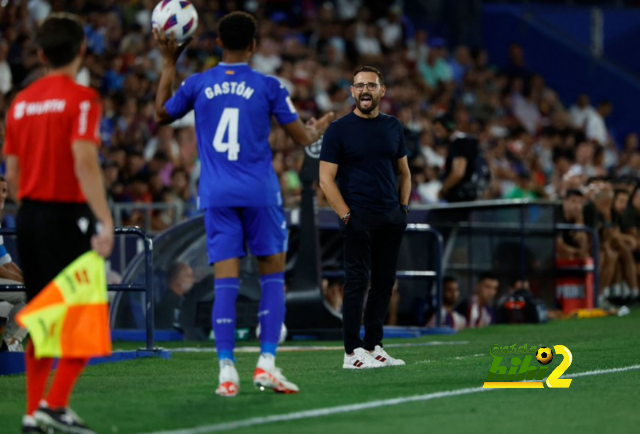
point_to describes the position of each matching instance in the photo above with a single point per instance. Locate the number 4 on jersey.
(228, 125)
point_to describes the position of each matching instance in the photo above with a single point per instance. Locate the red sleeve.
(86, 119)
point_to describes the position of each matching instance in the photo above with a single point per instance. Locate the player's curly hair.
(60, 38)
(237, 30)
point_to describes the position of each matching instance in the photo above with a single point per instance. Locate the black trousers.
(50, 236)
(371, 246)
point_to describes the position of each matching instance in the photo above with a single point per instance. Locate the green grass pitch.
(147, 396)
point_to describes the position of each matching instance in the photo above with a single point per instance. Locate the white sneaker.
(381, 355)
(14, 345)
(267, 376)
(228, 379)
(361, 360)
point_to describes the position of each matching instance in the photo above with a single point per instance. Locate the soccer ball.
(544, 355)
(175, 16)
(283, 333)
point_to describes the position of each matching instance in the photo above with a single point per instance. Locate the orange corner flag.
(70, 316)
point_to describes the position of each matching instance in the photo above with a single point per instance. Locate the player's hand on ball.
(169, 47)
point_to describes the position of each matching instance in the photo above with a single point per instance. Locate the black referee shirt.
(367, 153)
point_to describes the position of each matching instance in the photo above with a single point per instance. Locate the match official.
(51, 143)
(365, 152)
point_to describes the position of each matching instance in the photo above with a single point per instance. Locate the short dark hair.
(487, 275)
(60, 38)
(370, 69)
(2, 179)
(237, 30)
(175, 270)
(448, 279)
(446, 121)
(619, 191)
(573, 192)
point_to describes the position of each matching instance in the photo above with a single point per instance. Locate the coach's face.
(367, 91)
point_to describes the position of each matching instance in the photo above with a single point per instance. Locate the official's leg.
(50, 237)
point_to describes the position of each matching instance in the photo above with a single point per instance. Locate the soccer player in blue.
(238, 188)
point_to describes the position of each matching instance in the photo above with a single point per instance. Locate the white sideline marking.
(602, 371)
(256, 349)
(421, 362)
(468, 357)
(358, 407)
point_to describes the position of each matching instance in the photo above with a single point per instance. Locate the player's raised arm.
(171, 51)
(306, 135)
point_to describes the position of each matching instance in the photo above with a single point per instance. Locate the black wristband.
(405, 208)
(345, 218)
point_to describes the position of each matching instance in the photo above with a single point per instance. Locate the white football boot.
(268, 376)
(228, 379)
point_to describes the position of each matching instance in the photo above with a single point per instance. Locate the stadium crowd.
(531, 143)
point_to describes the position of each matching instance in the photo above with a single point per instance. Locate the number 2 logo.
(554, 380)
(228, 125)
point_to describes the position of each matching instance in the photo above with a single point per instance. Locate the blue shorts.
(230, 230)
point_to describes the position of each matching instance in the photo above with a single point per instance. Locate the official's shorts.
(50, 236)
(231, 230)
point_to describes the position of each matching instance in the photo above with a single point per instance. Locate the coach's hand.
(169, 47)
(102, 242)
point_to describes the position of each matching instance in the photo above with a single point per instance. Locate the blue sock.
(223, 317)
(271, 313)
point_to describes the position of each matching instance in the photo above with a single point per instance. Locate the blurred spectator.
(458, 183)
(449, 317)
(630, 224)
(520, 306)
(435, 70)
(581, 112)
(179, 282)
(572, 244)
(478, 310)
(391, 28)
(6, 79)
(596, 129)
(519, 122)
(523, 188)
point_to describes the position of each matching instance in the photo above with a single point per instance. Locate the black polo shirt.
(367, 153)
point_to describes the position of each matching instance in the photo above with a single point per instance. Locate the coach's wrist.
(344, 218)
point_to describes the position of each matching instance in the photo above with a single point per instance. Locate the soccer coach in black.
(365, 153)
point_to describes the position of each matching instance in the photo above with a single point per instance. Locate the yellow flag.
(70, 316)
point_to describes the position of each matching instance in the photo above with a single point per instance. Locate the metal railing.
(146, 286)
(119, 210)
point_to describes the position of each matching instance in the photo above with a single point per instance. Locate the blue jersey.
(233, 107)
